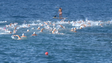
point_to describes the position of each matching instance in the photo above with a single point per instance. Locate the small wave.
(3, 21)
(19, 16)
(7, 32)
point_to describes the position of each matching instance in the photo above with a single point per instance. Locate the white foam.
(48, 27)
(3, 21)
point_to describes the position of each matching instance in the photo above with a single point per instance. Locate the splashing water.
(51, 27)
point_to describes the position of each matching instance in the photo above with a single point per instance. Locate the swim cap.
(33, 28)
(27, 29)
(23, 34)
(33, 32)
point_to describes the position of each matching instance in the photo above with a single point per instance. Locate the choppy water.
(91, 42)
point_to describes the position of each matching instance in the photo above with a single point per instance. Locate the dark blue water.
(91, 44)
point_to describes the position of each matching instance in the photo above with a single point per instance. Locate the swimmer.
(61, 26)
(80, 27)
(42, 25)
(7, 26)
(14, 31)
(42, 29)
(50, 23)
(28, 25)
(15, 27)
(33, 28)
(46, 23)
(38, 28)
(48, 27)
(28, 30)
(79, 22)
(20, 37)
(10, 24)
(101, 25)
(53, 24)
(10, 32)
(7, 30)
(84, 25)
(73, 30)
(34, 34)
(89, 24)
(53, 30)
(60, 13)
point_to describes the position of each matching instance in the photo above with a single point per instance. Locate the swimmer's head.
(10, 32)
(27, 29)
(22, 34)
(33, 28)
(33, 32)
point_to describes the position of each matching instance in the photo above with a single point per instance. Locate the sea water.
(90, 44)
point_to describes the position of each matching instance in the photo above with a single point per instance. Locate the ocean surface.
(83, 36)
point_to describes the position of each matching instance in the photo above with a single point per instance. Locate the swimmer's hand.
(15, 35)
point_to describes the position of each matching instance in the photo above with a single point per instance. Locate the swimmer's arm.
(17, 36)
(14, 35)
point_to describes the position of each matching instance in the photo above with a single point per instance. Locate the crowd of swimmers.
(52, 27)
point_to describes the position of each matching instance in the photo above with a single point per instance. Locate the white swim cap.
(33, 32)
(27, 29)
(23, 34)
(33, 28)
